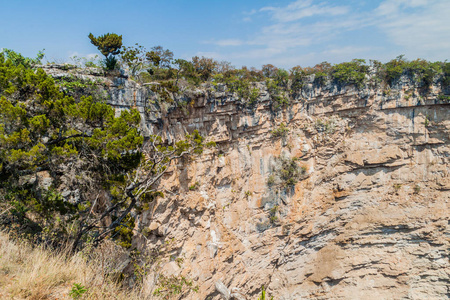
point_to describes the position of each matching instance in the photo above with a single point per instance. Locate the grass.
(28, 272)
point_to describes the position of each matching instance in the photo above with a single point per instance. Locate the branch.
(66, 138)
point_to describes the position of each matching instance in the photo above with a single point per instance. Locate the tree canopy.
(93, 161)
(107, 44)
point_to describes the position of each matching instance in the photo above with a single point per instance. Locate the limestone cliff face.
(367, 219)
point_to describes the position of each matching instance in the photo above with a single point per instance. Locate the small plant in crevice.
(170, 286)
(194, 186)
(281, 131)
(325, 126)
(397, 187)
(416, 189)
(444, 98)
(286, 173)
(273, 215)
(290, 171)
(248, 194)
(426, 122)
(263, 295)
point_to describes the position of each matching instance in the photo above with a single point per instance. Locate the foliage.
(204, 67)
(195, 186)
(290, 171)
(169, 286)
(280, 131)
(79, 141)
(17, 58)
(30, 272)
(353, 72)
(88, 62)
(263, 295)
(325, 126)
(397, 187)
(446, 71)
(157, 62)
(109, 45)
(277, 92)
(444, 98)
(287, 172)
(134, 57)
(423, 71)
(240, 82)
(75, 86)
(77, 291)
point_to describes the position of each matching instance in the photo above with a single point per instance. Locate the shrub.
(195, 186)
(280, 131)
(287, 172)
(263, 295)
(353, 72)
(397, 187)
(77, 291)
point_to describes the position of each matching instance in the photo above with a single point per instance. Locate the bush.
(281, 131)
(353, 72)
(287, 172)
(77, 291)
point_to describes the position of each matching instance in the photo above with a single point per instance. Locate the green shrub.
(280, 131)
(77, 291)
(420, 70)
(263, 295)
(353, 72)
(170, 286)
(195, 186)
(397, 187)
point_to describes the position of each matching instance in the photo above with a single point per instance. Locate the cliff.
(365, 217)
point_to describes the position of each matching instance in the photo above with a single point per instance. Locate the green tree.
(109, 45)
(135, 58)
(82, 147)
(18, 59)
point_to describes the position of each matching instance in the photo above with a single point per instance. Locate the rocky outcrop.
(368, 219)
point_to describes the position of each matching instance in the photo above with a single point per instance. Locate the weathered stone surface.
(370, 221)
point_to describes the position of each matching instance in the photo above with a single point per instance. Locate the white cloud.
(421, 27)
(302, 9)
(417, 28)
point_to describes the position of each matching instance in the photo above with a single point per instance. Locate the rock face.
(367, 219)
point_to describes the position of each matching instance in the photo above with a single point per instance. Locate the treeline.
(159, 65)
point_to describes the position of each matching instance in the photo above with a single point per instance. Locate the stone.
(353, 229)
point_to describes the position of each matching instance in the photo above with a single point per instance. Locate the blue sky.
(253, 32)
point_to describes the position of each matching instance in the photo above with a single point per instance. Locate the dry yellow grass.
(37, 273)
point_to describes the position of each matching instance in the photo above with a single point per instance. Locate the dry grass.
(37, 273)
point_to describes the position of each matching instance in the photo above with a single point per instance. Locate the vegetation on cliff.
(283, 86)
(74, 161)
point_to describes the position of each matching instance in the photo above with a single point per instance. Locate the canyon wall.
(367, 218)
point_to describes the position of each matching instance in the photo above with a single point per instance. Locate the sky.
(246, 32)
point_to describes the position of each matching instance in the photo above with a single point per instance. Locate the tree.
(160, 57)
(18, 59)
(101, 174)
(109, 45)
(135, 58)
